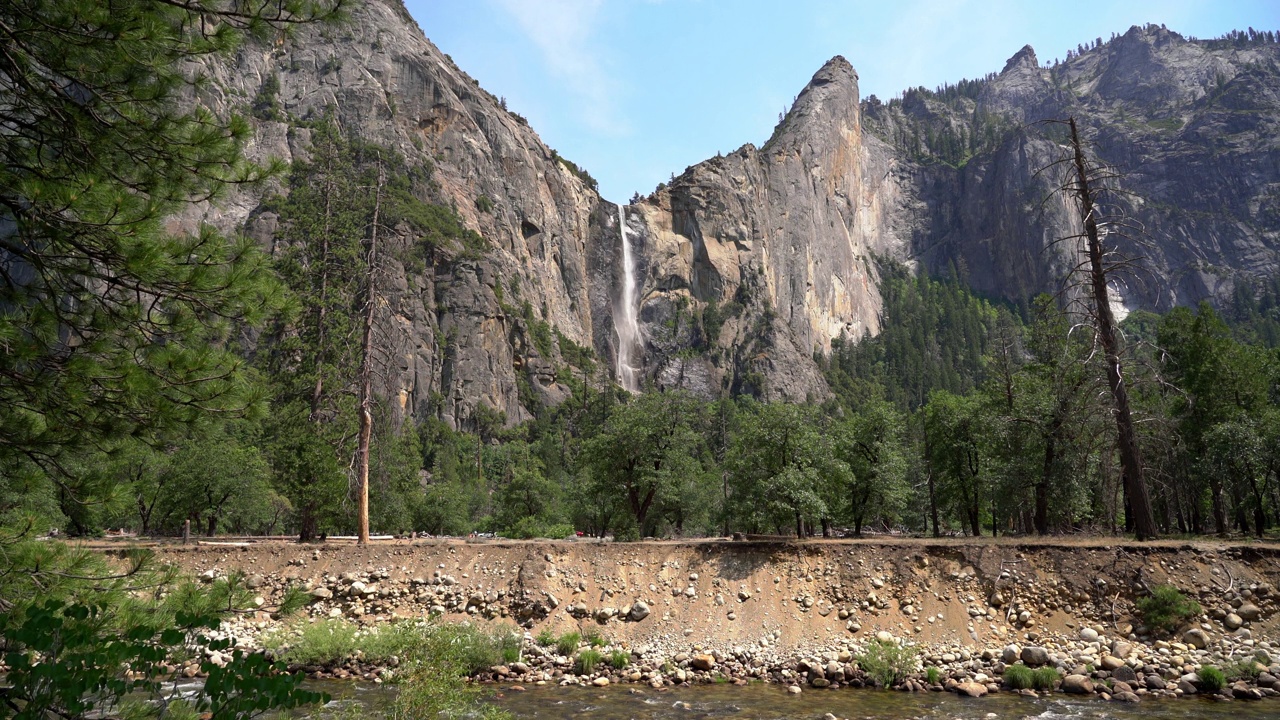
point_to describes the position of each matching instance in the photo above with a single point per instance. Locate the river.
(772, 702)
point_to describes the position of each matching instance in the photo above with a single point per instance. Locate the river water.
(772, 702)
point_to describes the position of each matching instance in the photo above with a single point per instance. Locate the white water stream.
(625, 323)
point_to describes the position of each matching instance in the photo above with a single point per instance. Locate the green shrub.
(1242, 670)
(933, 675)
(484, 204)
(587, 661)
(1211, 679)
(545, 639)
(1018, 677)
(1166, 608)
(594, 639)
(619, 659)
(568, 643)
(887, 662)
(1044, 678)
(466, 648)
(528, 528)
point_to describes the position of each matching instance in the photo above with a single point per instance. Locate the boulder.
(1196, 638)
(1110, 663)
(1241, 691)
(702, 662)
(1010, 654)
(1125, 674)
(1249, 612)
(321, 593)
(1125, 697)
(639, 610)
(1077, 685)
(1088, 634)
(1232, 621)
(1035, 656)
(972, 689)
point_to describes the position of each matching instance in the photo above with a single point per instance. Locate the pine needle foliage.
(115, 321)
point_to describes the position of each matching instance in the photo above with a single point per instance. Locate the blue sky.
(636, 90)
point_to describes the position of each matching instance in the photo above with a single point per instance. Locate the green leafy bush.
(1243, 670)
(1044, 678)
(546, 638)
(528, 528)
(73, 625)
(887, 662)
(329, 642)
(594, 639)
(587, 661)
(1018, 677)
(933, 675)
(619, 659)
(1211, 679)
(568, 643)
(1166, 608)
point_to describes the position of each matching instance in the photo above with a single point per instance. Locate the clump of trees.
(1019, 438)
(149, 380)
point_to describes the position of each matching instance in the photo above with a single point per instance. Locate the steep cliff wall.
(457, 336)
(750, 264)
(779, 240)
(1189, 126)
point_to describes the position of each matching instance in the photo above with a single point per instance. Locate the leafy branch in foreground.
(81, 638)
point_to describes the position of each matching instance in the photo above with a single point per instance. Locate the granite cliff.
(750, 264)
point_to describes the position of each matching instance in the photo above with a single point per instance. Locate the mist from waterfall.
(625, 323)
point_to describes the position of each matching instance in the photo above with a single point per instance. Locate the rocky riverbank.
(801, 614)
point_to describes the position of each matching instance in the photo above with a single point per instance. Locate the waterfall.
(625, 322)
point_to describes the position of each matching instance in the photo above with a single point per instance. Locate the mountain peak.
(1024, 57)
(837, 69)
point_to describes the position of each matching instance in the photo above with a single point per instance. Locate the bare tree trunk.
(366, 377)
(1144, 524)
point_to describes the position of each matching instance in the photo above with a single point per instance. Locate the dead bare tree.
(1144, 525)
(366, 374)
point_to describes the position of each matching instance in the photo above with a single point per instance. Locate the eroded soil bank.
(798, 613)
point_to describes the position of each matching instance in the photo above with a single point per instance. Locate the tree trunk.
(1042, 487)
(1144, 525)
(366, 376)
(1219, 510)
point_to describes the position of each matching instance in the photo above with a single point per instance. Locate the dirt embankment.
(780, 594)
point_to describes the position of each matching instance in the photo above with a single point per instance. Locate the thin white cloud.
(563, 31)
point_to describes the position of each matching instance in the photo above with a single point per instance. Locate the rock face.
(764, 257)
(458, 333)
(1190, 125)
(749, 264)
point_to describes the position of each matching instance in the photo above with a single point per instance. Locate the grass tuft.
(1044, 678)
(1211, 679)
(587, 661)
(568, 643)
(1018, 677)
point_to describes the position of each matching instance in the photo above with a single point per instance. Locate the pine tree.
(110, 324)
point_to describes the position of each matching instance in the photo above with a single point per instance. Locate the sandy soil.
(786, 594)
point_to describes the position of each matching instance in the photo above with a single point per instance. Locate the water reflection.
(772, 702)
